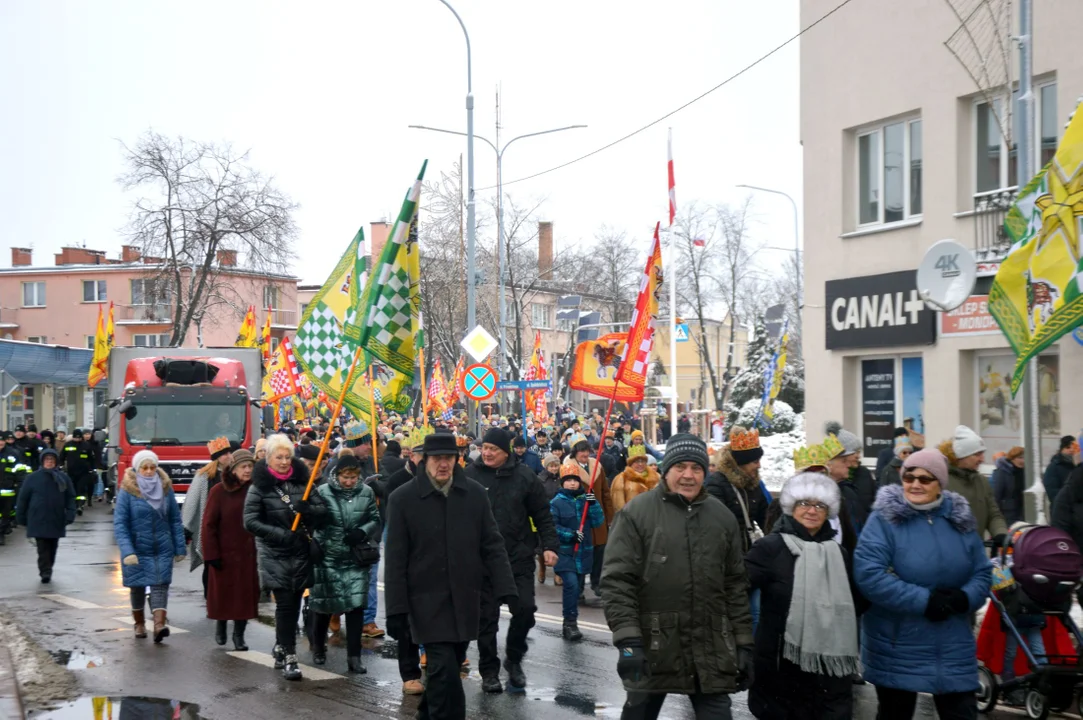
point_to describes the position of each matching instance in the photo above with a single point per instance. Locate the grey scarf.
(821, 627)
(151, 490)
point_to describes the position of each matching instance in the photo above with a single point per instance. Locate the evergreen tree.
(748, 384)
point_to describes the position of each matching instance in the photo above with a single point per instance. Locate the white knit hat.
(966, 442)
(144, 456)
(810, 486)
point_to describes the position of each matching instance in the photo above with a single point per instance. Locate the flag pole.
(424, 388)
(372, 417)
(327, 436)
(598, 458)
(672, 288)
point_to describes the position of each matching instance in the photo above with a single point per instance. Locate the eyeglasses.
(812, 504)
(923, 479)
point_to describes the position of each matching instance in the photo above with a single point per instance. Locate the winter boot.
(571, 631)
(238, 635)
(220, 632)
(291, 669)
(140, 624)
(353, 663)
(516, 677)
(319, 651)
(279, 654)
(491, 684)
(161, 630)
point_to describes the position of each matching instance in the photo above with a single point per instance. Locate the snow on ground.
(777, 463)
(41, 679)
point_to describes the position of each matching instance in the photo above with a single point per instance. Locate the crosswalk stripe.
(266, 660)
(128, 622)
(71, 602)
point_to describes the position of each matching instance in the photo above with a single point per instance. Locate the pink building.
(58, 305)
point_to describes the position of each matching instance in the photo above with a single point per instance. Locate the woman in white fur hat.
(806, 643)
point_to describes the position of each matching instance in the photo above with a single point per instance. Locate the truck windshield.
(180, 422)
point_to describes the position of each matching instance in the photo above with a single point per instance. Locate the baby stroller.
(1042, 580)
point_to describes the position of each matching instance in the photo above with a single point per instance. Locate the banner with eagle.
(596, 365)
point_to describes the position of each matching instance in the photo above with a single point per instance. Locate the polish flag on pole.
(672, 184)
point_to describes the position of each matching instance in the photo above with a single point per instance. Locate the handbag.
(366, 554)
(315, 551)
(751, 526)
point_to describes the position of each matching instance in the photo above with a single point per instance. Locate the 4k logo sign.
(948, 265)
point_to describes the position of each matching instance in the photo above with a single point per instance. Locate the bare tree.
(615, 265)
(197, 202)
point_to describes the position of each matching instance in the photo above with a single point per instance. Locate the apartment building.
(58, 305)
(902, 149)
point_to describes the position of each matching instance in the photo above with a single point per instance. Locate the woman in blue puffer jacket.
(922, 566)
(150, 536)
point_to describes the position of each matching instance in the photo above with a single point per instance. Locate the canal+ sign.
(877, 311)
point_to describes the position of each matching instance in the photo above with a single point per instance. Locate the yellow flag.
(99, 362)
(246, 336)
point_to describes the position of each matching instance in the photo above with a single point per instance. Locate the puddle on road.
(76, 659)
(108, 708)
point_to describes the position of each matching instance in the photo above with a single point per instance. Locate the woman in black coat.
(1068, 507)
(285, 561)
(806, 640)
(45, 507)
(1009, 481)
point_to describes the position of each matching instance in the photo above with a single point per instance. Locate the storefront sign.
(877, 404)
(970, 318)
(877, 311)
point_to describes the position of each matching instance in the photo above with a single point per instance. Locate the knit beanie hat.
(144, 456)
(549, 459)
(497, 437)
(965, 442)
(933, 461)
(902, 443)
(685, 447)
(810, 486)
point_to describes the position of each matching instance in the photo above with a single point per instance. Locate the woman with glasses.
(806, 642)
(922, 566)
(892, 472)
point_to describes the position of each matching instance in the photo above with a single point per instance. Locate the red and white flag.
(637, 353)
(672, 184)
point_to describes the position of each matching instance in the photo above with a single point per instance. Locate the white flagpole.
(671, 273)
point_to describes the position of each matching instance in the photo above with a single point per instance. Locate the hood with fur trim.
(892, 506)
(131, 486)
(727, 465)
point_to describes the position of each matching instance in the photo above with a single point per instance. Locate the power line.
(694, 100)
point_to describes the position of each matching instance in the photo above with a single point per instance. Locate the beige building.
(901, 149)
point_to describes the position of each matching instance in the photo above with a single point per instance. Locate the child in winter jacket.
(576, 553)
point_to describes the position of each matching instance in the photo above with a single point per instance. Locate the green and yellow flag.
(1036, 296)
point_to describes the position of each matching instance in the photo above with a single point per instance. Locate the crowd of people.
(847, 576)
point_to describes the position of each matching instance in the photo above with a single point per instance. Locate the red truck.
(175, 400)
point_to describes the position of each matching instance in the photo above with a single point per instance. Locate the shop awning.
(36, 364)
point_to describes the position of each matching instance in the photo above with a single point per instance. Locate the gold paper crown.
(218, 444)
(637, 451)
(461, 441)
(832, 447)
(741, 439)
(817, 455)
(417, 437)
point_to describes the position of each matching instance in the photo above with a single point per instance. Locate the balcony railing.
(990, 209)
(284, 318)
(150, 314)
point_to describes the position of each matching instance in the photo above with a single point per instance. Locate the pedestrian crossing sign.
(682, 332)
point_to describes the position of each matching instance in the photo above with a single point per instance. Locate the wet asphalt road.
(565, 680)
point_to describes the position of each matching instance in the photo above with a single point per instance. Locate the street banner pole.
(424, 388)
(372, 427)
(327, 436)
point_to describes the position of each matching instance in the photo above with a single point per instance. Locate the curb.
(11, 702)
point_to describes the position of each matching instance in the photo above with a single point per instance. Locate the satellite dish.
(946, 275)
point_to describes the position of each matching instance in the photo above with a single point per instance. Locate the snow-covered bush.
(777, 464)
(784, 421)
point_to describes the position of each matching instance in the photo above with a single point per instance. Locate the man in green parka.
(676, 592)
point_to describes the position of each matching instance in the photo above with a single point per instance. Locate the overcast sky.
(322, 94)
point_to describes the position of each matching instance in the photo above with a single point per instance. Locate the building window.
(90, 342)
(541, 316)
(158, 340)
(145, 291)
(37, 339)
(270, 296)
(1001, 416)
(889, 173)
(995, 167)
(304, 306)
(93, 291)
(33, 294)
(892, 395)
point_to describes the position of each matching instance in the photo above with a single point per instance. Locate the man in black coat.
(392, 461)
(28, 445)
(443, 543)
(77, 459)
(46, 506)
(517, 498)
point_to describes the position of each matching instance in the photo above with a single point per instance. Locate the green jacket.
(341, 585)
(972, 485)
(674, 577)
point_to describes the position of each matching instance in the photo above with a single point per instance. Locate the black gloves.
(302, 507)
(939, 609)
(512, 601)
(187, 537)
(357, 536)
(589, 497)
(958, 601)
(299, 541)
(998, 542)
(216, 564)
(398, 626)
(632, 665)
(746, 672)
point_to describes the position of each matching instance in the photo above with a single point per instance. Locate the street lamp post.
(796, 238)
(471, 224)
(501, 254)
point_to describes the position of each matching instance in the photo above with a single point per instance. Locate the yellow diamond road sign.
(478, 344)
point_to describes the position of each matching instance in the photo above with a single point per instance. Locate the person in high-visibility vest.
(77, 458)
(12, 472)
